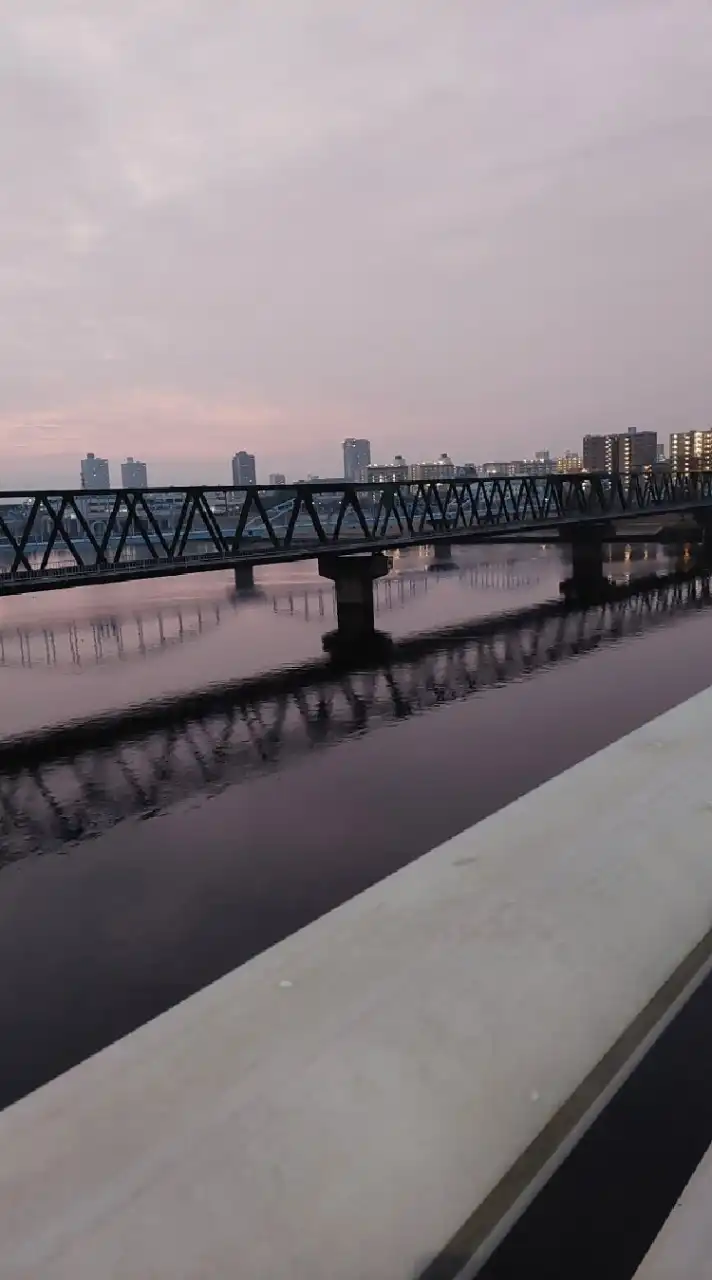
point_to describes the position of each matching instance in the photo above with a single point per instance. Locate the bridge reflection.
(155, 630)
(70, 784)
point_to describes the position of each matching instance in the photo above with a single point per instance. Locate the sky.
(480, 226)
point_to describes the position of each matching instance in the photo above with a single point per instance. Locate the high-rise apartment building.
(357, 458)
(277, 477)
(569, 463)
(633, 451)
(134, 474)
(244, 469)
(690, 451)
(94, 472)
(442, 469)
(620, 451)
(392, 472)
(594, 453)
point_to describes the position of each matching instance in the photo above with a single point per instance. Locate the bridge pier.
(442, 551)
(587, 581)
(353, 578)
(244, 577)
(442, 557)
(704, 524)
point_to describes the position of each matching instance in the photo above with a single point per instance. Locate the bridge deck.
(340, 1106)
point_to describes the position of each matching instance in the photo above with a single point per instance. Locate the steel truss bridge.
(71, 784)
(62, 539)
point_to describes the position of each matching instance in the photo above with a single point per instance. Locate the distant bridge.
(63, 539)
(72, 783)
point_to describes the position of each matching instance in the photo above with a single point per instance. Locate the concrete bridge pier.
(587, 581)
(442, 551)
(244, 577)
(442, 557)
(353, 578)
(704, 524)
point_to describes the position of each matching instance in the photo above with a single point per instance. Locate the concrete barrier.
(418, 1059)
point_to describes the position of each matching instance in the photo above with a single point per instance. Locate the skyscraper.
(244, 469)
(134, 475)
(277, 477)
(357, 457)
(94, 472)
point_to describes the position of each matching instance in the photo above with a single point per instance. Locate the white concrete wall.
(335, 1109)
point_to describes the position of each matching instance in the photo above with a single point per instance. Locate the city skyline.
(616, 452)
(624, 451)
(473, 227)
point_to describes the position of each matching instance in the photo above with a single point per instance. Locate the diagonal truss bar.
(146, 507)
(20, 557)
(204, 510)
(74, 508)
(59, 530)
(350, 499)
(192, 506)
(183, 516)
(29, 526)
(133, 521)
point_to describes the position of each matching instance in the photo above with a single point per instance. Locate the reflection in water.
(69, 784)
(157, 628)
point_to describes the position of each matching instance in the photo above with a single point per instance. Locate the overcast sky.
(476, 225)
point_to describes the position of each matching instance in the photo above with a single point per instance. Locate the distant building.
(516, 468)
(442, 469)
(394, 472)
(661, 453)
(95, 472)
(621, 452)
(134, 475)
(568, 463)
(594, 453)
(467, 469)
(276, 478)
(637, 451)
(536, 466)
(244, 469)
(690, 451)
(357, 458)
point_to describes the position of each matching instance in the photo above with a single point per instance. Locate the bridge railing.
(100, 530)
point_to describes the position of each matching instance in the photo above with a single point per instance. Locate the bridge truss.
(124, 533)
